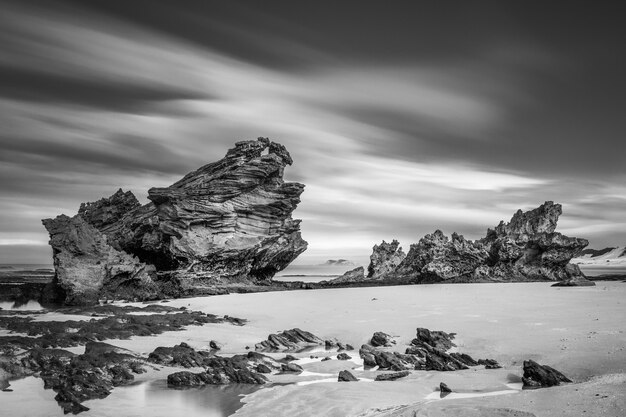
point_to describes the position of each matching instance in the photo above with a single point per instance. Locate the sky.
(402, 117)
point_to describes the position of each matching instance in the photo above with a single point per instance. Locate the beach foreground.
(578, 331)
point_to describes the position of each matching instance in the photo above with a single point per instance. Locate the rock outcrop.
(525, 249)
(540, 376)
(427, 352)
(226, 223)
(384, 259)
(294, 339)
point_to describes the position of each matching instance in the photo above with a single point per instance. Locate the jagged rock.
(179, 355)
(187, 379)
(355, 275)
(346, 376)
(382, 339)
(88, 268)
(384, 259)
(227, 222)
(107, 211)
(525, 249)
(391, 376)
(77, 378)
(293, 339)
(433, 338)
(263, 369)
(540, 376)
(387, 360)
(344, 357)
(240, 369)
(334, 343)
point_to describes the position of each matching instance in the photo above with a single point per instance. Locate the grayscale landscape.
(312, 209)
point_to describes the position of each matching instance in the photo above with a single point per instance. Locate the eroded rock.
(293, 339)
(527, 248)
(540, 376)
(227, 223)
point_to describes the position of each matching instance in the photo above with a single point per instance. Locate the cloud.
(93, 99)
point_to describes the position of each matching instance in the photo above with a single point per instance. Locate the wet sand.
(578, 331)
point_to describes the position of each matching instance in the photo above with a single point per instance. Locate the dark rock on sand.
(240, 369)
(77, 378)
(263, 369)
(392, 376)
(187, 379)
(444, 390)
(293, 339)
(227, 223)
(420, 356)
(433, 338)
(540, 376)
(344, 357)
(346, 376)
(382, 339)
(387, 360)
(179, 355)
(291, 368)
(215, 345)
(489, 363)
(525, 249)
(118, 325)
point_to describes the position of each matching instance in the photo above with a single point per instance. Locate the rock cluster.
(427, 352)
(527, 248)
(227, 222)
(77, 378)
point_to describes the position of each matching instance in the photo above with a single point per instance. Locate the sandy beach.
(578, 331)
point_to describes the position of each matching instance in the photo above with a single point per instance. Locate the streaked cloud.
(390, 145)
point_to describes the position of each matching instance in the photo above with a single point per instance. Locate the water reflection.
(152, 398)
(20, 305)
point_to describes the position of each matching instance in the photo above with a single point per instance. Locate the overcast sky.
(401, 117)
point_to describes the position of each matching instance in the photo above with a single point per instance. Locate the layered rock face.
(525, 249)
(228, 222)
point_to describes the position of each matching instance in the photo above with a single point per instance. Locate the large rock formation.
(228, 222)
(525, 249)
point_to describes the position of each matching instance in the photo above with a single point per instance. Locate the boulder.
(227, 222)
(346, 376)
(179, 355)
(344, 357)
(540, 376)
(382, 339)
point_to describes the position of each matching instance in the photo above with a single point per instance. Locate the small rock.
(291, 368)
(392, 376)
(263, 369)
(327, 358)
(489, 363)
(344, 357)
(346, 376)
(444, 390)
(382, 339)
(215, 345)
